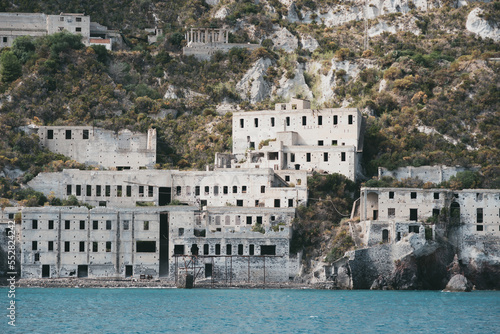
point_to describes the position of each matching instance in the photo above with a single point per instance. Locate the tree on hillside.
(10, 67)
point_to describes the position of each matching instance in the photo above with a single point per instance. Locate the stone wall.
(434, 174)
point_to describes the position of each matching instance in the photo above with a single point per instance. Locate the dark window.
(50, 134)
(413, 195)
(325, 156)
(251, 250)
(78, 29)
(217, 249)
(479, 215)
(308, 157)
(78, 19)
(95, 247)
(249, 220)
(391, 212)
(413, 214)
(225, 190)
(68, 189)
(320, 120)
(95, 224)
(85, 134)
(51, 245)
(108, 191)
(290, 202)
(89, 190)
(37, 257)
(146, 225)
(435, 212)
(216, 190)
(129, 191)
(78, 190)
(268, 250)
(181, 231)
(436, 195)
(82, 224)
(82, 246)
(244, 189)
(66, 246)
(292, 157)
(240, 249)
(259, 219)
(391, 194)
(126, 224)
(108, 224)
(304, 120)
(51, 224)
(108, 246)
(414, 229)
(342, 156)
(256, 122)
(34, 224)
(479, 227)
(242, 123)
(262, 189)
(98, 190)
(256, 203)
(277, 203)
(150, 247)
(34, 245)
(350, 119)
(118, 191)
(229, 249)
(252, 144)
(334, 143)
(67, 224)
(239, 202)
(68, 134)
(207, 190)
(206, 249)
(235, 189)
(197, 191)
(141, 191)
(150, 191)
(320, 143)
(287, 178)
(272, 121)
(335, 119)
(178, 190)
(288, 121)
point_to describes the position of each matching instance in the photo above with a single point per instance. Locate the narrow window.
(34, 245)
(334, 143)
(292, 157)
(50, 134)
(251, 250)
(256, 122)
(235, 189)
(181, 231)
(51, 224)
(325, 156)
(244, 189)
(108, 224)
(335, 120)
(308, 157)
(229, 249)
(98, 190)
(320, 143)
(89, 190)
(108, 246)
(85, 134)
(272, 121)
(217, 249)
(290, 202)
(178, 190)
(413, 195)
(391, 194)
(197, 191)
(67, 224)
(216, 190)
(207, 190)
(342, 156)
(350, 119)
(277, 203)
(95, 224)
(240, 249)
(78, 190)
(304, 120)
(320, 120)
(146, 225)
(34, 224)
(413, 214)
(51, 245)
(68, 189)
(108, 191)
(129, 191)
(256, 203)
(206, 249)
(249, 220)
(82, 224)
(141, 191)
(391, 212)
(287, 178)
(242, 123)
(288, 121)
(262, 189)
(66, 246)
(150, 191)
(82, 246)
(94, 247)
(479, 215)
(436, 195)
(118, 191)
(126, 224)
(68, 134)
(259, 219)
(225, 190)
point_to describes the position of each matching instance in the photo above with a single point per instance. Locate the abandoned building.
(296, 137)
(434, 174)
(388, 214)
(105, 242)
(101, 148)
(205, 42)
(13, 25)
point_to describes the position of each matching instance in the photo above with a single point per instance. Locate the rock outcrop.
(253, 86)
(479, 26)
(296, 86)
(458, 283)
(284, 39)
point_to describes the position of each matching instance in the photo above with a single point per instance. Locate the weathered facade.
(205, 42)
(296, 137)
(105, 242)
(434, 174)
(102, 148)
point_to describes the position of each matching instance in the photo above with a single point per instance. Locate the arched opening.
(455, 213)
(372, 206)
(385, 236)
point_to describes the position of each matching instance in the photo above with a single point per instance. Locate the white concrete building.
(296, 137)
(102, 148)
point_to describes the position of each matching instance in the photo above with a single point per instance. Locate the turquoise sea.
(60, 310)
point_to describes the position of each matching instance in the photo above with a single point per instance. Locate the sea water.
(108, 310)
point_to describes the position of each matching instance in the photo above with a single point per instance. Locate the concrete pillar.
(364, 206)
